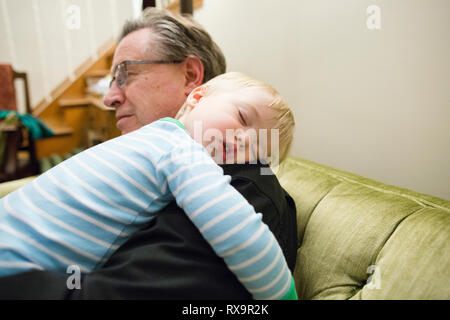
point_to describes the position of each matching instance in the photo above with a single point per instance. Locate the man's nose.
(114, 97)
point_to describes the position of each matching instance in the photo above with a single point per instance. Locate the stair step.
(98, 73)
(62, 131)
(98, 102)
(58, 127)
(85, 101)
(74, 102)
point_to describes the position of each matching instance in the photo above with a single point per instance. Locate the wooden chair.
(19, 152)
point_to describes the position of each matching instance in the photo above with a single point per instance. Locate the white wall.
(44, 38)
(372, 102)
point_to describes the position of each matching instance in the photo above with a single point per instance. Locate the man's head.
(238, 116)
(176, 54)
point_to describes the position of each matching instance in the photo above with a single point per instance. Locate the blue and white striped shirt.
(82, 210)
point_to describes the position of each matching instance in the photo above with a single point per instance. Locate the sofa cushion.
(361, 239)
(10, 186)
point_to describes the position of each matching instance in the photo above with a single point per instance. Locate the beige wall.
(373, 102)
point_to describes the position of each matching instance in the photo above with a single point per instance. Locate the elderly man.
(159, 60)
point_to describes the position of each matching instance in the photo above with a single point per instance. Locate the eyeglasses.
(120, 73)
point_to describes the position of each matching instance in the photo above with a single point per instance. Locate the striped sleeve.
(227, 221)
(81, 211)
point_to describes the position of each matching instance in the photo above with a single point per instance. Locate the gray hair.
(178, 37)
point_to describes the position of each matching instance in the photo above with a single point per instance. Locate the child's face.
(229, 123)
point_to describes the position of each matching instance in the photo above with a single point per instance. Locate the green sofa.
(361, 239)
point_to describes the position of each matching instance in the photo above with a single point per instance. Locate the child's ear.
(195, 96)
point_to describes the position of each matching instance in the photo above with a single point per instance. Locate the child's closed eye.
(242, 118)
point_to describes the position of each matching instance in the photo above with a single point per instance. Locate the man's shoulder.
(168, 127)
(268, 197)
(266, 185)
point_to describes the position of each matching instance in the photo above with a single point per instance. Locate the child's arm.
(227, 221)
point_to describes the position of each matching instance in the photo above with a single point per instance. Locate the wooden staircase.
(78, 118)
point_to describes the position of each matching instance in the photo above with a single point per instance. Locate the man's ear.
(195, 96)
(193, 72)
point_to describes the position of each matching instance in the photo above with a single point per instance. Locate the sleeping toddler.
(80, 211)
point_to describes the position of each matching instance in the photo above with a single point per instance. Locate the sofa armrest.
(10, 186)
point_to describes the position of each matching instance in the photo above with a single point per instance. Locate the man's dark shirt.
(169, 259)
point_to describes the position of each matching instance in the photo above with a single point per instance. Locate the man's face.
(152, 91)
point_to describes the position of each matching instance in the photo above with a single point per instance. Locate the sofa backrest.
(361, 239)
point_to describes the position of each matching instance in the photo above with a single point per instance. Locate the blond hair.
(283, 117)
